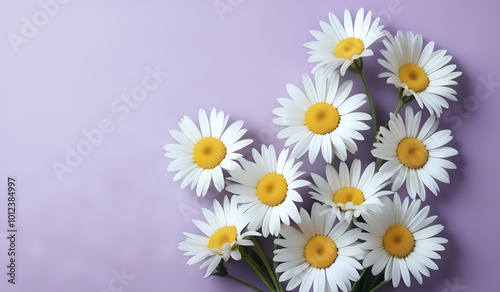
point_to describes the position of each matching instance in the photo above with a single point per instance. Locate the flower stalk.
(258, 266)
(357, 68)
(272, 274)
(222, 272)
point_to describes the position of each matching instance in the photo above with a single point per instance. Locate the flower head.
(320, 253)
(223, 233)
(201, 156)
(266, 189)
(339, 46)
(323, 118)
(415, 154)
(349, 193)
(400, 241)
(422, 73)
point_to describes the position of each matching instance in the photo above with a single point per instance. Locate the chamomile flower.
(423, 73)
(223, 233)
(266, 189)
(201, 156)
(339, 46)
(347, 193)
(323, 118)
(321, 254)
(415, 155)
(400, 241)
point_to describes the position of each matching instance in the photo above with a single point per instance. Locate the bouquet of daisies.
(359, 233)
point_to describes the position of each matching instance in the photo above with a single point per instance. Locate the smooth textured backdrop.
(113, 217)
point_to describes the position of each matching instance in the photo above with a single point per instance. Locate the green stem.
(379, 164)
(400, 105)
(402, 101)
(377, 278)
(266, 263)
(364, 281)
(259, 272)
(280, 288)
(371, 103)
(222, 272)
(256, 268)
(378, 286)
(356, 284)
(243, 283)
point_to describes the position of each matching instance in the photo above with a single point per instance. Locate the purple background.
(119, 209)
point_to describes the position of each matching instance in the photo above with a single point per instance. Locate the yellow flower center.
(209, 152)
(348, 48)
(414, 76)
(412, 153)
(349, 194)
(398, 241)
(271, 189)
(321, 252)
(223, 235)
(322, 118)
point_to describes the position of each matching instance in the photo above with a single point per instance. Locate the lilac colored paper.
(113, 216)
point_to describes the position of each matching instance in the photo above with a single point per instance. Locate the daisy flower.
(321, 254)
(201, 156)
(415, 154)
(339, 46)
(348, 193)
(421, 73)
(266, 189)
(223, 234)
(400, 240)
(323, 118)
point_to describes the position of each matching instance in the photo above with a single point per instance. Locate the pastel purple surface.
(113, 217)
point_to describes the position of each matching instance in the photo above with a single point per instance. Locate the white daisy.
(400, 240)
(421, 73)
(223, 235)
(339, 46)
(323, 118)
(201, 156)
(321, 254)
(348, 193)
(415, 154)
(266, 189)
